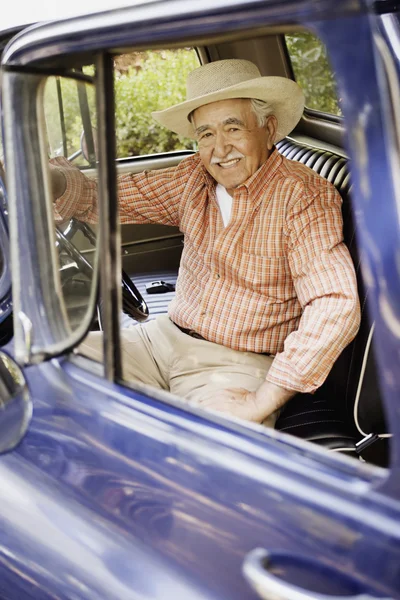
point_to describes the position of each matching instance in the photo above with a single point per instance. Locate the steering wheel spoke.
(133, 303)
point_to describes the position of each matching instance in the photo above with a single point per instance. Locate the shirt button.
(217, 276)
(203, 313)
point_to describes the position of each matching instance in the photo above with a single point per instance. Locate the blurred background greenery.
(154, 80)
(313, 72)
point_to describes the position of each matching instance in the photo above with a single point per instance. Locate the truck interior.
(345, 414)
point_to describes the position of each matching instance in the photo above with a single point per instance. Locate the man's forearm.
(271, 397)
(252, 406)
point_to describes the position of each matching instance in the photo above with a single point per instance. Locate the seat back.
(327, 417)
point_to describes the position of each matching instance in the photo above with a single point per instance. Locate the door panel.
(150, 248)
(201, 492)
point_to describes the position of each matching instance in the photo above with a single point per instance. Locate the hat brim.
(283, 95)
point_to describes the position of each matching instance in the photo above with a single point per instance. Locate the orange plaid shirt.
(277, 279)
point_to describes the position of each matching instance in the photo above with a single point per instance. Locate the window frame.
(311, 112)
(33, 243)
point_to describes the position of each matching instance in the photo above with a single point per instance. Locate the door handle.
(261, 568)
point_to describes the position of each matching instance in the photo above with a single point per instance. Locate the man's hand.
(58, 181)
(251, 406)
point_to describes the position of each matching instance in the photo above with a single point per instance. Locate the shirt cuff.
(284, 374)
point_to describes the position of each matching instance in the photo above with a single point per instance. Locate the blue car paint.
(116, 494)
(155, 22)
(199, 494)
(377, 229)
(5, 277)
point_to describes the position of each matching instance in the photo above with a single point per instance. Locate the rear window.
(313, 72)
(146, 82)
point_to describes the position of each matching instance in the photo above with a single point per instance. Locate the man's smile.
(229, 163)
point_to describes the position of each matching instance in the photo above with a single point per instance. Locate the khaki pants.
(159, 354)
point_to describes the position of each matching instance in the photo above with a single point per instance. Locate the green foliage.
(159, 81)
(313, 72)
(144, 82)
(150, 81)
(71, 111)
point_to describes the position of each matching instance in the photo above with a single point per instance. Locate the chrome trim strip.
(110, 237)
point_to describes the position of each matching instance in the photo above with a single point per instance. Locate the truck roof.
(47, 10)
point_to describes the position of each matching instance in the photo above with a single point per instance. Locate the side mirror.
(15, 404)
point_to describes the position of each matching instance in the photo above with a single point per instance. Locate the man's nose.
(222, 145)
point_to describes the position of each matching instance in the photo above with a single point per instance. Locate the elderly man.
(266, 297)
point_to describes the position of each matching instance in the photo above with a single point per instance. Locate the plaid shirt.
(278, 279)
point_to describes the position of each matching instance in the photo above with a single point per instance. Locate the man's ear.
(271, 128)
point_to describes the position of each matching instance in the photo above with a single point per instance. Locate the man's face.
(231, 145)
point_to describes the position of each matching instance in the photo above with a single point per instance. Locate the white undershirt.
(224, 202)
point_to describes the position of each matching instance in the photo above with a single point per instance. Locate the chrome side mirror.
(15, 404)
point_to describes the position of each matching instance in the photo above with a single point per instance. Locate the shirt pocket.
(266, 275)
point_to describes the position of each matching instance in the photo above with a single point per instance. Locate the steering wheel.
(133, 303)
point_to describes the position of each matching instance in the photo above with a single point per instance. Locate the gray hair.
(262, 110)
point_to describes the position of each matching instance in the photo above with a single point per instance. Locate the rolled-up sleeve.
(147, 197)
(326, 287)
(80, 197)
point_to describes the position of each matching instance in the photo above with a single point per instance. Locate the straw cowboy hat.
(234, 78)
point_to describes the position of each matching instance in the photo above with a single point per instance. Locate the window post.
(110, 244)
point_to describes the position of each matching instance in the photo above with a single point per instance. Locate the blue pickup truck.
(110, 489)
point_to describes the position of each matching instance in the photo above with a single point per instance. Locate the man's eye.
(205, 135)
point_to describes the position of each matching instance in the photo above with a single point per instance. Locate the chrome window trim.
(137, 164)
(34, 257)
(109, 230)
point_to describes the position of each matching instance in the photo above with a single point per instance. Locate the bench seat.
(327, 417)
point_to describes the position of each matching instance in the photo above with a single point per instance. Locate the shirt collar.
(256, 183)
